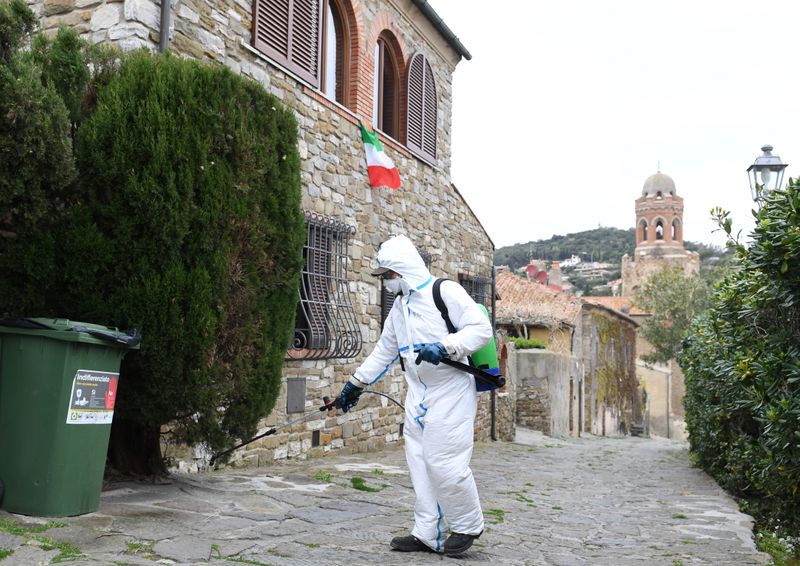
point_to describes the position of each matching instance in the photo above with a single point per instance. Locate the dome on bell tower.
(659, 183)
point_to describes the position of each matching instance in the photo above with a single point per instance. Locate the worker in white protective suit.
(441, 402)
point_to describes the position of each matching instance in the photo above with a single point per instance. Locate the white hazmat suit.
(441, 402)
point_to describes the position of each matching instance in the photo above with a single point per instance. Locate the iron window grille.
(479, 288)
(325, 323)
(387, 297)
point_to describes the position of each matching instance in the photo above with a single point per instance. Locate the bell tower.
(659, 235)
(659, 217)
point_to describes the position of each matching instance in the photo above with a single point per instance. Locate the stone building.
(585, 380)
(659, 245)
(388, 63)
(606, 344)
(530, 310)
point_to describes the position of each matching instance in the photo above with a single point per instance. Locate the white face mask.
(393, 285)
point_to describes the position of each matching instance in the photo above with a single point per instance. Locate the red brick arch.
(352, 11)
(384, 25)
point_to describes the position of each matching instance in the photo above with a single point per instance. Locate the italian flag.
(382, 172)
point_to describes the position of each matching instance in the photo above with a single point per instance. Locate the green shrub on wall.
(528, 343)
(741, 362)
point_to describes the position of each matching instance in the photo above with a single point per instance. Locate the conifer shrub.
(36, 161)
(46, 89)
(187, 225)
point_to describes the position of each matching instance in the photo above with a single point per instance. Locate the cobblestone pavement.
(588, 501)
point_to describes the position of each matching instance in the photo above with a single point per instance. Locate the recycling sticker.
(93, 397)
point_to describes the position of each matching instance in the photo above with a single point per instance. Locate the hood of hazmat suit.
(441, 401)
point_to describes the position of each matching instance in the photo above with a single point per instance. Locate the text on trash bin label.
(93, 396)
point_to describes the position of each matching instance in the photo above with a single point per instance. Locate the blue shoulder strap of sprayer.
(486, 377)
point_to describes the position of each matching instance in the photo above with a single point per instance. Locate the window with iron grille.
(325, 323)
(387, 297)
(479, 288)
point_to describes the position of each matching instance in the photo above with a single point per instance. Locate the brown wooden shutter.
(422, 107)
(289, 32)
(429, 118)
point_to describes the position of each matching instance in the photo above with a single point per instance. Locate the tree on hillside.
(672, 300)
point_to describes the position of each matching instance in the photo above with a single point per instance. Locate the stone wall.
(427, 208)
(610, 386)
(637, 270)
(543, 390)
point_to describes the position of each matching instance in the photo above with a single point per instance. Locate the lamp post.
(766, 174)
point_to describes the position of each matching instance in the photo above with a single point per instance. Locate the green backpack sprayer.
(483, 364)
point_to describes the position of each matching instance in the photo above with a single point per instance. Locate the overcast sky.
(567, 106)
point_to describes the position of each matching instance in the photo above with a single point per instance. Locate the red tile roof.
(527, 302)
(621, 304)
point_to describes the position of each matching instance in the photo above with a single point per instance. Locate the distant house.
(662, 384)
(544, 272)
(586, 380)
(571, 262)
(531, 310)
(607, 347)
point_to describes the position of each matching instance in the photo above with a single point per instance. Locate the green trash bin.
(58, 383)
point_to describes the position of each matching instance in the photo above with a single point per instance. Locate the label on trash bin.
(93, 397)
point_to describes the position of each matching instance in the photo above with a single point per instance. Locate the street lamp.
(766, 174)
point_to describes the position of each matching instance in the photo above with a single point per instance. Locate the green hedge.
(741, 362)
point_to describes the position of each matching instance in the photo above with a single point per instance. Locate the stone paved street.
(588, 501)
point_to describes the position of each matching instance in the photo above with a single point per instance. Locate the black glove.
(348, 398)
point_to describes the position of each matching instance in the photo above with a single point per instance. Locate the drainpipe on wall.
(669, 398)
(163, 36)
(494, 391)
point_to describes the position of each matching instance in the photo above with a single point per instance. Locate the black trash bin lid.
(71, 331)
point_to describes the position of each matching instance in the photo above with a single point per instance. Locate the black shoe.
(457, 543)
(409, 543)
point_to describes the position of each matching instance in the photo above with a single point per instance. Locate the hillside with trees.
(600, 244)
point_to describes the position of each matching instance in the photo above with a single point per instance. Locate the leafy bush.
(528, 343)
(741, 361)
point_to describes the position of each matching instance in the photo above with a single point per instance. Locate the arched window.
(422, 108)
(643, 230)
(335, 52)
(659, 196)
(386, 89)
(676, 230)
(659, 230)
